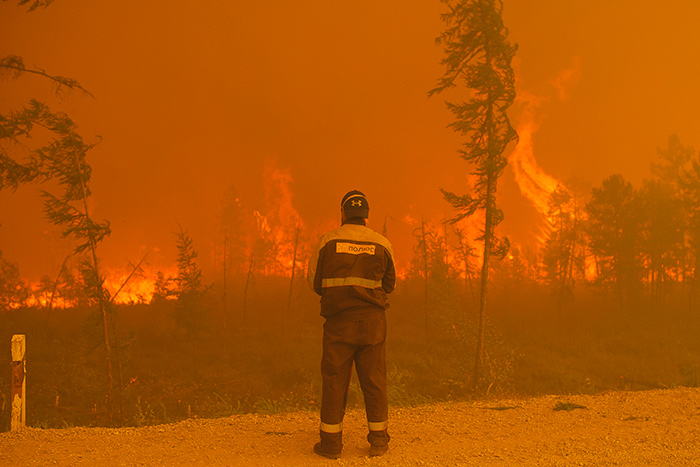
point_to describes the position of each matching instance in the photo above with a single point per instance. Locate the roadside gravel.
(659, 428)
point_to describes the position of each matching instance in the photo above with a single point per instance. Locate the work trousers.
(359, 341)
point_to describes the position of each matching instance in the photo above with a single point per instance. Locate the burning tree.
(479, 54)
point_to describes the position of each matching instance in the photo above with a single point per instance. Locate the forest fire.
(125, 286)
(130, 286)
(275, 241)
(534, 183)
(190, 161)
(266, 243)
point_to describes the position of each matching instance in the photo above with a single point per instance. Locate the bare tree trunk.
(116, 347)
(108, 346)
(131, 274)
(488, 238)
(101, 299)
(466, 252)
(49, 306)
(248, 280)
(694, 282)
(425, 276)
(120, 377)
(225, 284)
(291, 281)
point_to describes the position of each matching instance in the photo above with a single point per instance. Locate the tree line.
(635, 243)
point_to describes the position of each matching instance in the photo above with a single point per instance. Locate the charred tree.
(478, 55)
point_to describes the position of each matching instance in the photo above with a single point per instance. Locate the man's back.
(353, 270)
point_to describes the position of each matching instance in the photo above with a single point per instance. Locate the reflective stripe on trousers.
(328, 428)
(378, 426)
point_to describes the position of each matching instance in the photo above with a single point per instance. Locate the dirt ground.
(650, 428)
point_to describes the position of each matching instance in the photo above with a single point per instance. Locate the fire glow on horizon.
(283, 230)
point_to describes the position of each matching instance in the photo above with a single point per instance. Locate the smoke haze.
(193, 98)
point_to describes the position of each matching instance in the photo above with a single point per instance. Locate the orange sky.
(194, 97)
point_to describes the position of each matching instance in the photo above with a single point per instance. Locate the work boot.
(330, 446)
(379, 442)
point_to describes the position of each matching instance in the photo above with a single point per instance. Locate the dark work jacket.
(352, 270)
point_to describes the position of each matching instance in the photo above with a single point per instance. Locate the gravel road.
(649, 428)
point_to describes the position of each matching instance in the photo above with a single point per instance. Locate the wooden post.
(19, 384)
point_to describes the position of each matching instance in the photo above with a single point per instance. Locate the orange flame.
(139, 288)
(281, 224)
(534, 183)
(122, 289)
(42, 301)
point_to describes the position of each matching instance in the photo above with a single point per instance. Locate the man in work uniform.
(353, 271)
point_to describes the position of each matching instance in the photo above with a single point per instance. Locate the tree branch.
(15, 66)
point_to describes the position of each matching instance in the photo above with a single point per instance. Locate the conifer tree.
(564, 248)
(190, 313)
(662, 229)
(478, 55)
(680, 169)
(13, 291)
(61, 159)
(614, 232)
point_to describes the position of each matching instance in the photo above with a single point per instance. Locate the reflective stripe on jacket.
(352, 269)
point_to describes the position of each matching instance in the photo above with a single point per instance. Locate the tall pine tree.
(478, 55)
